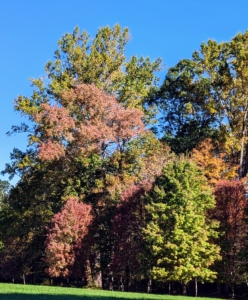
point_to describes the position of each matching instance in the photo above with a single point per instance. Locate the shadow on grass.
(23, 296)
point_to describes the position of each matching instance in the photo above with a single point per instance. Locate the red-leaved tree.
(127, 234)
(64, 238)
(85, 120)
(231, 212)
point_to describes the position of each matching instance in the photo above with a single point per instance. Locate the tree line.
(127, 183)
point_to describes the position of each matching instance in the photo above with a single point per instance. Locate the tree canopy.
(104, 201)
(206, 97)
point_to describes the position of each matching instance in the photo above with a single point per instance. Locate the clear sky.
(170, 29)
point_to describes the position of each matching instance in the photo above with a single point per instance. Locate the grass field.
(23, 292)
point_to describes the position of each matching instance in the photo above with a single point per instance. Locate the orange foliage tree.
(213, 162)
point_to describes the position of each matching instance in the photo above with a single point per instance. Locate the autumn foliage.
(213, 162)
(64, 237)
(230, 211)
(102, 200)
(127, 231)
(88, 121)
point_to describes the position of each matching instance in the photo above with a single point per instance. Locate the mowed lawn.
(21, 292)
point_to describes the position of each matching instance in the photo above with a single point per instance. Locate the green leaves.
(183, 98)
(206, 97)
(178, 229)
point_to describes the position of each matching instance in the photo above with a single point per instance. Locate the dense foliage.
(102, 201)
(177, 227)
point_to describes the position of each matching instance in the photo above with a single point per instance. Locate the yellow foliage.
(214, 164)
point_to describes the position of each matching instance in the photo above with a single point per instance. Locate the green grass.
(27, 292)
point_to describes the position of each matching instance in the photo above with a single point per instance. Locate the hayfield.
(27, 292)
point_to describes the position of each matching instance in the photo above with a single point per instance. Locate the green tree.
(211, 90)
(225, 66)
(185, 122)
(178, 229)
(25, 213)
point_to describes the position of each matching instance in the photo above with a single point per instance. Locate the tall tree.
(231, 212)
(127, 234)
(206, 93)
(182, 98)
(81, 141)
(24, 214)
(225, 66)
(178, 229)
(100, 61)
(85, 136)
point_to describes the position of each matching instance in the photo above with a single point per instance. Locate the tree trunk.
(128, 278)
(111, 281)
(196, 287)
(24, 278)
(149, 285)
(88, 273)
(97, 274)
(121, 285)
(232, 289)
(98, 279)
(226, 289)
(169, 288)
(184, 289)
(241, 173)
(219, 290)
(245, 171)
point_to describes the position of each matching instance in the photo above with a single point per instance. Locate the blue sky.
(170, 29)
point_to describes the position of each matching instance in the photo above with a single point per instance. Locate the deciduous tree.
(231, 212)
(64, 237)
(178, 230)
(99, 61)
(127, 234)
(185, 121)
(206, 93)
(214, 162)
